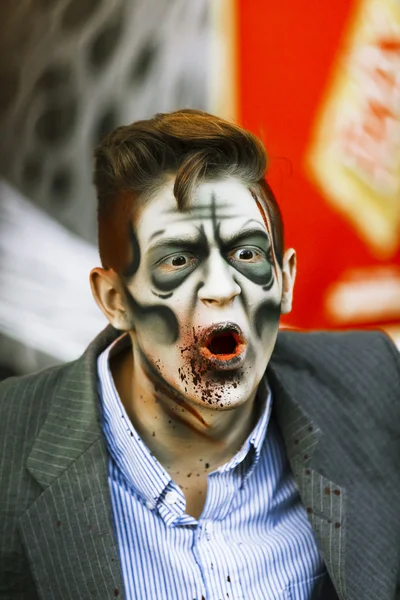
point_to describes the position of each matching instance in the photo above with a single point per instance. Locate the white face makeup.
(204, 291)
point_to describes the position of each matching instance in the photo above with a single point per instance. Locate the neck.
(179, 431)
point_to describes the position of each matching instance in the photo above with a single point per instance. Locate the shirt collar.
(139, 467)
(134, 460)
(256, 438)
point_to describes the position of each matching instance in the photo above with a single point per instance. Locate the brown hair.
(135, 160)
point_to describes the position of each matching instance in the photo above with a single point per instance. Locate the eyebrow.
(252, 221)
(244, 234)
(188, 241)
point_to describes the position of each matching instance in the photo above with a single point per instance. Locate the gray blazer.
(337, 404)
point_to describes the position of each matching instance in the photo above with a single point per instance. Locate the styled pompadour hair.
(134, 161)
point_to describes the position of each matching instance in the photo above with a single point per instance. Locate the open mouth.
(223, 346)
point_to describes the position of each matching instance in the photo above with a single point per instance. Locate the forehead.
(227, 201)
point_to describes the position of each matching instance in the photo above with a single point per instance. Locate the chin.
(221, 393)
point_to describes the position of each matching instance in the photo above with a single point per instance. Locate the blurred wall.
(72, 70)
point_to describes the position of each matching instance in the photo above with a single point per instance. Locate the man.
(192, 451)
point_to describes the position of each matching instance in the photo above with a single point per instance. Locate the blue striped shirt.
(252, 541)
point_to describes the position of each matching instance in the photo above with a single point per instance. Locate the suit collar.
(73, 422)
(68, 531)
(323, 498)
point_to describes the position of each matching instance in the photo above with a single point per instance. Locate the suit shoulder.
(24, 400)
(346, 356)
(360, 368)
(370, 347)
(30, 381)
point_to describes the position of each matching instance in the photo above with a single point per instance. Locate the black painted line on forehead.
(207, 217)
(216, 226)
(197, 207)
(156, 234)
(209, 211)
(203, 241)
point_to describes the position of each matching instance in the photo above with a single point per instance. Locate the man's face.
(204, 291)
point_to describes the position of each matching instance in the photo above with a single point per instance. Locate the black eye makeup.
(253, 263)
(177, 261)
(249, 252)
(172, 270)
(172, 261)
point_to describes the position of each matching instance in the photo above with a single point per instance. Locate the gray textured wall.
(72, 70)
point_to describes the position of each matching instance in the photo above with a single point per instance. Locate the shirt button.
(209, 527)
(149, 505)
(171, 497)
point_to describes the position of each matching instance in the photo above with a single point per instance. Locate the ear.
(289, 268)
(108, 291)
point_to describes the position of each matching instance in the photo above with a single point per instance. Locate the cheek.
(266, 316)
(157, 321)
(258, 301)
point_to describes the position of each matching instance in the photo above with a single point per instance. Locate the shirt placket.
(217, 567)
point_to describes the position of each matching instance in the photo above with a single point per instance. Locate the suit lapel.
(324, 500)
(68, 531)
(341, 496)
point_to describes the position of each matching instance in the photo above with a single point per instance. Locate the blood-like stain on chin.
(213, 387)
(164, 390)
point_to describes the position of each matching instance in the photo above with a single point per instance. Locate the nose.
(219, 287)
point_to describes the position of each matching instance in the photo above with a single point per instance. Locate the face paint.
(204, 291)
(159, 317)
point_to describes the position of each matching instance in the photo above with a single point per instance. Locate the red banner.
(320, 83)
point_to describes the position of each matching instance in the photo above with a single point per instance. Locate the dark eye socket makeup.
(255, 254)
(165, 253)
(168, 262)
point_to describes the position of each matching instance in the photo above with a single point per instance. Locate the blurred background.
(319, 82)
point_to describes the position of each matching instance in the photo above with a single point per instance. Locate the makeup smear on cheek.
(267, 316)
(165, 391)
(157, 321)
(132, 268)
